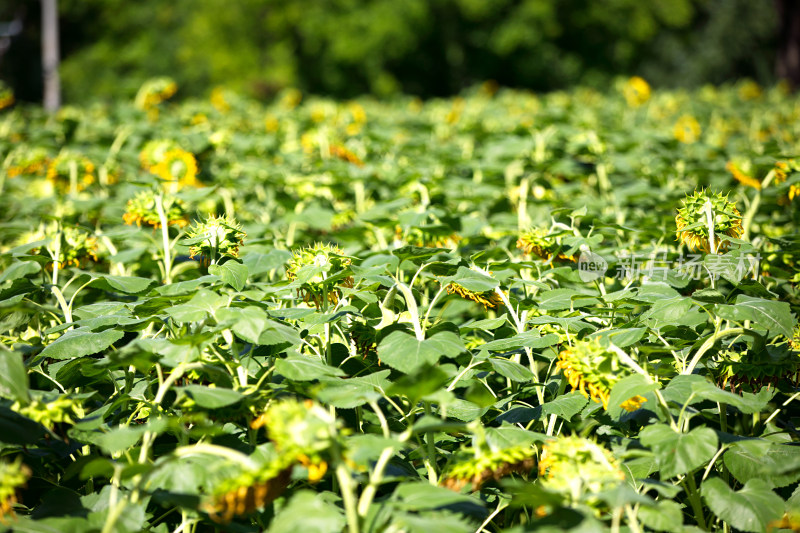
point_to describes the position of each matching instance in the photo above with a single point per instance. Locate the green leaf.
(529, 339)
(471, 280)
(80, 342)
(13, 377)
(620, 337)
(776, 317)
(305, 368)
(202, 304)
(404, 352)
(690, 389)
(561, 299)
(679, 453)
(210, 398)
(308, 512)
(125, 284)
(748, 509)
(627, 388)
(566, 406)
(678, 311)
(667, 515)
(764, 460)
(19, 269)
(231, 272)
(421, 495)
(510, 369)
(251, 324)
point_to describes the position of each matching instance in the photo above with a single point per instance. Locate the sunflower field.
(496, 312)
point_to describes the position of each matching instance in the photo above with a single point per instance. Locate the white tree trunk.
(50, 53)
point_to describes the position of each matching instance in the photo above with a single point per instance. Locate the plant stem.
(162, 217)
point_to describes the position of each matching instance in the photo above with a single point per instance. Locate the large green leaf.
(404, 352)
(748, 509)
(80, 342)
(774, 316)
(210, 398)
(231, 272)
(13, 377)
(308, 512)
(565, 406)
(202, 304)
(764, 460)
(299, 367)
(679, 453)
(627, 388)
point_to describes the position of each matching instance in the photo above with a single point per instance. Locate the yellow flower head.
(70, 170)
(749, 90)
(594, 370)
(13, 476)
(25, 161)
(178, 167)
(692, 221)
(339, 151)
(578, 469)
(489, 299)
(249, 491)
(153, 152)
(322, 269)
(153, 92)
(636, 91)
(538, 241)
(747, 371)
(741, 171)
(301, 432)
(219, 101)
(494, 465)
(141, 209)
(687, 129)
(427, 237)
(291, 98)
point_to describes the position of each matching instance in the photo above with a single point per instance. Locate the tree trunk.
(788, 64)
(50, 53)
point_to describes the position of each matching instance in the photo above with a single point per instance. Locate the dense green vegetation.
(428, 48)
(499, 311)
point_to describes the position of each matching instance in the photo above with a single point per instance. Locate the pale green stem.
(162, 217)
(710, 344)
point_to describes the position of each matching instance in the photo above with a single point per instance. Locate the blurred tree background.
(426, 47)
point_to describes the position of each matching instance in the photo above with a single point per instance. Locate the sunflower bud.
(693, 221)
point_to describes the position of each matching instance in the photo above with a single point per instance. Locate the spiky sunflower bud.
(692, 221)
(13, 476)
(322, 270)
(578, 469)
(141, 209)
(594, 370)
(494, 465)
(215, 238)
